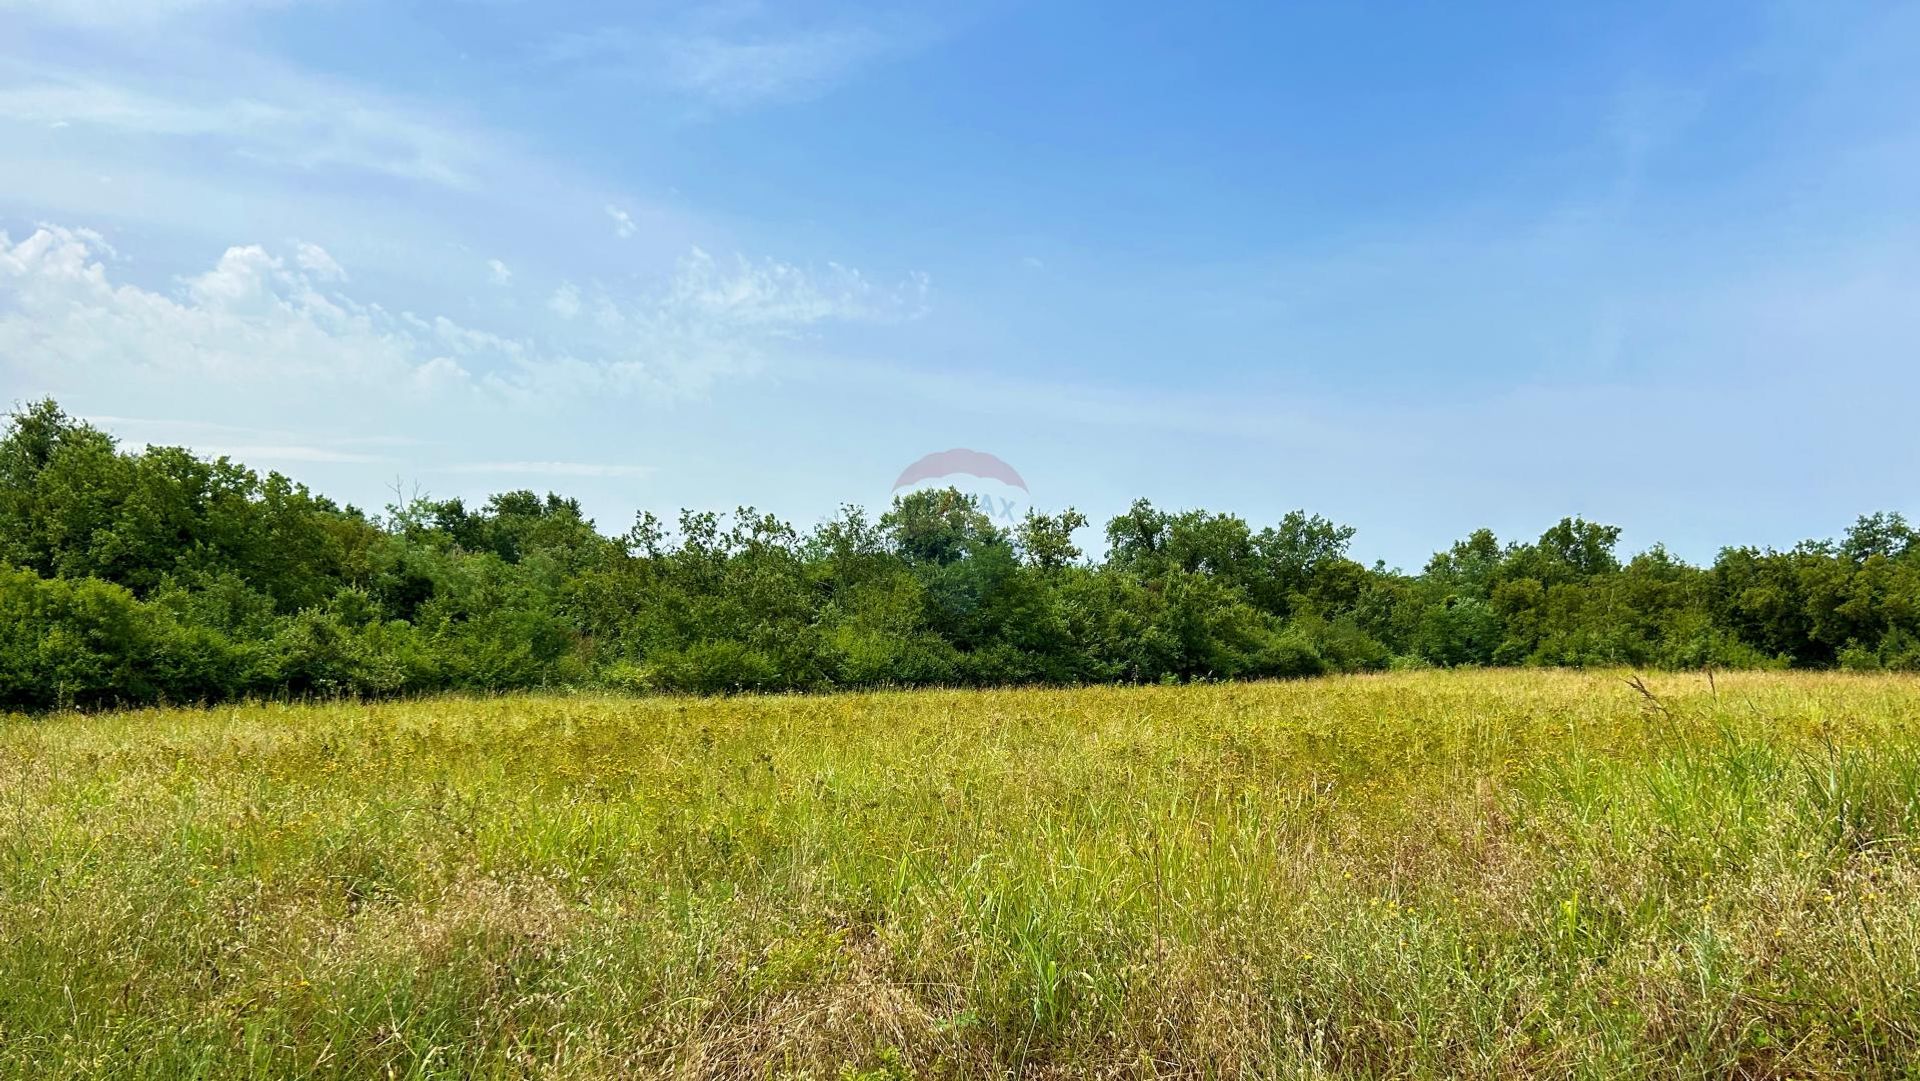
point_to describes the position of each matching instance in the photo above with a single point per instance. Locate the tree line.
(160, 576)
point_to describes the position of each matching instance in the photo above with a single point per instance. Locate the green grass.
(1425, 874)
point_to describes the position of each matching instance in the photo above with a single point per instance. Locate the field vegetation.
(1440, 874)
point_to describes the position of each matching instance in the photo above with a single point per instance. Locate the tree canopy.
(129, 577)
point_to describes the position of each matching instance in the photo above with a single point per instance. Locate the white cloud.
(713, 319)
(623, 226)
(257, 318)
(770, 293)
(497, 272)
(314, 259)
(251, 317)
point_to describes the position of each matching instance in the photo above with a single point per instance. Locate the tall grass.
(1423, 874)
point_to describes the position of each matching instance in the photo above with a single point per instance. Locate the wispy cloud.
(290, 452)
(549, 469)
(712, 319)
(728, 57)
(299, 123)
(122, 13)
(167, 431)
(741, 73)
(250, 444)
(770, 293)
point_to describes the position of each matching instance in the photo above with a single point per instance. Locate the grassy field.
(1428, 874)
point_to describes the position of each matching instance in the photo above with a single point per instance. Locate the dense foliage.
(160, 576)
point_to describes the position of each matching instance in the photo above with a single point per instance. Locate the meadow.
(1458, 874)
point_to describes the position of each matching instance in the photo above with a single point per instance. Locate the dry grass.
(1426, 874)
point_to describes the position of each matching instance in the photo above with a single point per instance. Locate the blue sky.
(1420, 268)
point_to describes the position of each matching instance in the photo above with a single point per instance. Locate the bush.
(712, 668)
